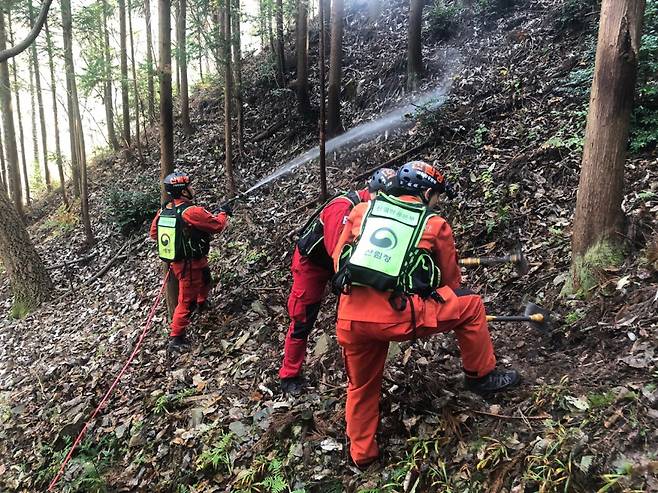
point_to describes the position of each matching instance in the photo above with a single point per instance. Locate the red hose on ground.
(149, 319)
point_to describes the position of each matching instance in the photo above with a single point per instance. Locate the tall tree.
(237, 72)
(42, 116)
(136, 101)
(303, 102)
(150, 86)
(414, 44)
(9, 133)
(35, 134)
(228, 141)
(28, 277)
(280, 55)
(125, 98)
(181, 29)
(78, 152)
(335, 69)
(19, 115)
(3, 165)
(599, 216)
(108, 92)
(53, 91)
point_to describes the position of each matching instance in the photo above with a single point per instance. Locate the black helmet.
(381, 180)
(175, 183)
(417, 176)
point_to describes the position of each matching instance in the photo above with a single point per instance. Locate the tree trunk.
(270, 34)
(53, 90)
(35, 134)
(125, 98)
(414, 44)
(42, 116)
(166, 123)
(182, 63)
(136, 100)
(598, 213)
(3, 165)
(108, 92)
(29, 279)
(280, 55)
(149, 60)
(19, 114)
(228, 90)
(327, 26)
(78, 152)
(322, 122)
(237, 71)
(303, 102)
(13, 173)
(335, 69)
(177, 51)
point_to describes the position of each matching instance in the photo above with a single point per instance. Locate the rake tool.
(538, 317)
(515, 257)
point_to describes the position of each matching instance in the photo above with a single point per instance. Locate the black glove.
(226, 209)
(450, 191)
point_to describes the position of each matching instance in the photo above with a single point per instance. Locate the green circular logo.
(384, 238)
(164, 239)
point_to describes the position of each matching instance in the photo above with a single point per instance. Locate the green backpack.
(176, 239)
(385, 255)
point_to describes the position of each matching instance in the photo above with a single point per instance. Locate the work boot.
(494, 381)
(178, 344)
(293, 385)
(204, 306)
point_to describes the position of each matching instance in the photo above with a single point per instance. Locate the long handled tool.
(538, 317)
(515, 257)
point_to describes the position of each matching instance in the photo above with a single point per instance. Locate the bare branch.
(15, 50)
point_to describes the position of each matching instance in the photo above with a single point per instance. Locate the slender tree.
(303, 102)
(280, 55)
(19, 117)
(125, 98)
(78, 152)
(335, 69)
(137, 101)
(150, 86)
(322, 122)
(414, 44)
(237, 72)
(3, 165)
(228, 141)
(182, 64)
(35, 134)
(42, 116)
(9, 133)
(599, 216)
(53, 90)
(108, 92)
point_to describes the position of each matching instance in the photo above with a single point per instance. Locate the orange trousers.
(193, 287)
(365, 346)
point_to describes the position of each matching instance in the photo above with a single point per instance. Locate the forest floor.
(213, 419)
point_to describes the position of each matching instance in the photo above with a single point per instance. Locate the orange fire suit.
(367, 323)
(193, 275)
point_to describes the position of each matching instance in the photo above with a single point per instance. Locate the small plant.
(443, 20)
(62, 221)
(601, 400)
(491, 454)
(574, 316)
(266, 475)
(588, 271)
(19, 310)
(550, 396)
(130, 209)
(574, 14)
(218, 457)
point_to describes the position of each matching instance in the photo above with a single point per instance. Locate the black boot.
(178, 343)
(495, 381)
(293, 385)
(204, 306)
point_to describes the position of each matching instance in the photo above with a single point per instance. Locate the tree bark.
(70, 83)
(335, 69)
(19, 115)
(228, 91)
(270, 34)
(166, 123)
(3, 165)
(7, 53)
(108, 92)
(29, 279)
(125, 98)
(414, 44)
(322, 122)
(237, 72)
(13, 173)
(35, 134)
(598, 213)
(149, 60)
(182, 63)
(280, 55)
(53, 90)
(303, 101)
(42, 116)
(136, 100)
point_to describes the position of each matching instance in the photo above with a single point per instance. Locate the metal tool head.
(519, 260)
(540, 318)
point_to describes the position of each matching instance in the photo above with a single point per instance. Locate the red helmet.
(175, 183)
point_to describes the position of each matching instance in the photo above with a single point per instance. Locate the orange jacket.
(198, 218)
(365, 304)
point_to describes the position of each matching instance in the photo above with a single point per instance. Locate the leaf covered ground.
(213, 419)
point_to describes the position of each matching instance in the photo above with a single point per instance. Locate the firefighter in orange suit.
(370, 317)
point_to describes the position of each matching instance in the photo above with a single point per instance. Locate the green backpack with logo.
(176, 239)
(385, 255)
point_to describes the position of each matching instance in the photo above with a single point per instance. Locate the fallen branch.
(269, 131)
(503, 416)
(118, 256)
(393, 160)
(71, 262)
